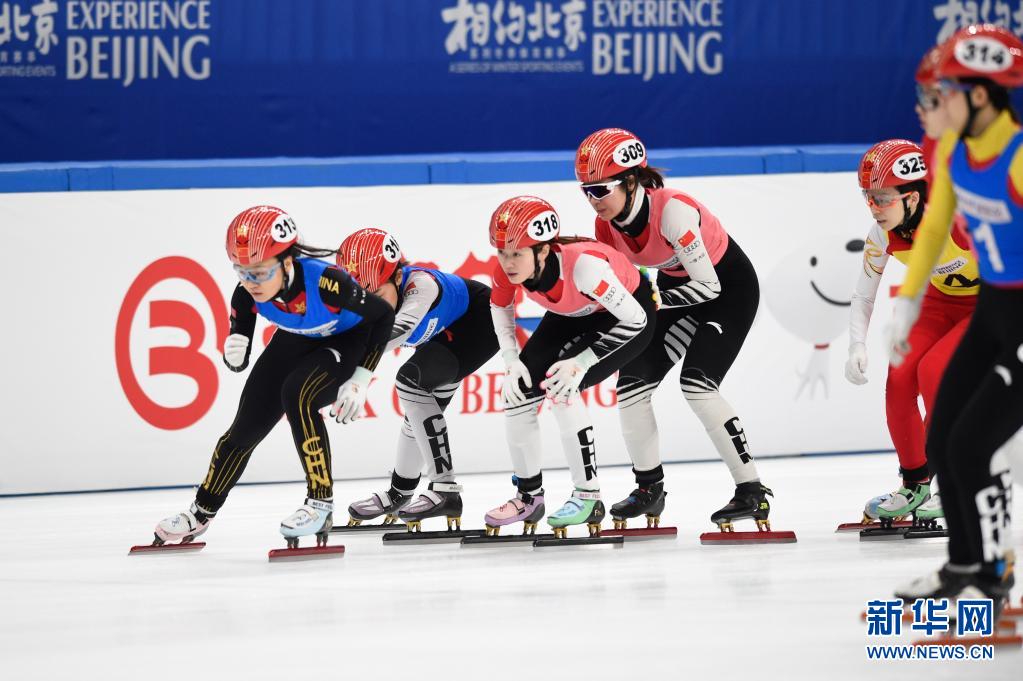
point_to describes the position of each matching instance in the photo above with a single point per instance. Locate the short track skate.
(749, 502)
(442, 499)
(648, 501)
(312, 518)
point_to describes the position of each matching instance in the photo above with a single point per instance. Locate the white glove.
(511, 393)
(352, 396)
(907, 310)
(856, 365)
(565, 376)
(235, 348)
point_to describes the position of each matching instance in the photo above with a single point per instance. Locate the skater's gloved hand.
(906, 312)
(515, 370)
(565, 376)
(856, 365)
(352, 396)
(236, 347)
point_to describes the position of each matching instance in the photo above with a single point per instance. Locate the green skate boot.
(584, 506)
(903, 502)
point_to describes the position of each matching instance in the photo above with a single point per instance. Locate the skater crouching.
(446, 318)
(331, 334)
(598, 318)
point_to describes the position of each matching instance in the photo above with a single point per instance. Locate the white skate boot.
(313, 517)
(181, 528)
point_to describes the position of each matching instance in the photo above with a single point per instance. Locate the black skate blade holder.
(438, 537)
(506, 540)
(579, 542)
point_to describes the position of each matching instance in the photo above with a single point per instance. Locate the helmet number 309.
(983, 54)
(629, 153)
(284, 229)
(544, 226)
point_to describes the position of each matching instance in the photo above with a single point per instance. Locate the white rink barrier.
(119, 303)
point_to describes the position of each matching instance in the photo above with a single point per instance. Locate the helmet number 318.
(544, 226)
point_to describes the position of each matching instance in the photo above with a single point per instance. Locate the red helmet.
(606, 153)
(259, 233)
(522, 222)
(925, 71)
(982, 51)
(892, 163)
(370, 256)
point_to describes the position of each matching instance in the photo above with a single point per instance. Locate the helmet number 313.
(284, 229)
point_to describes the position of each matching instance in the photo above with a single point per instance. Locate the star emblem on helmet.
(584, 153)
(242, 233)
(504, 217)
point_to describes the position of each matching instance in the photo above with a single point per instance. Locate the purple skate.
(524, 507)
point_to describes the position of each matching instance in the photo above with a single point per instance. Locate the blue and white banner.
(157, 79)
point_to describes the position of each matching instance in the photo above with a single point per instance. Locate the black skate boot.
(647, 500)
(749, 501)
(440, 499)
(378, 504)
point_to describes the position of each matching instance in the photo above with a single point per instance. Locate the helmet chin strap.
(535, 279)
(970, 118)
(286, 274)
(631, 207)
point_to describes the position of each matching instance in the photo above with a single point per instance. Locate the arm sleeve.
(502, 310)
(375, 311)
(594, 276)
(874, 260)
(680, 225)
(930, 237)
(420, 294)
(243, 321)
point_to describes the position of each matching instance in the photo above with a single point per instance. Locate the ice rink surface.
(76, 606)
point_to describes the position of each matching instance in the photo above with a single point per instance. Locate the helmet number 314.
(983, 54)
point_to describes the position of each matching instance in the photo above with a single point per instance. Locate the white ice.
(74, 605)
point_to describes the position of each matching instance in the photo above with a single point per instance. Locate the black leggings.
(296, 376)
(979, 407)
(708, 336)
(557, 337)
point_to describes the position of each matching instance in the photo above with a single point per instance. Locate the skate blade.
(190, 547)
(856, 527)
(438, 537)
(882, 534)
(643, 533)
(930, 533)
(512, 539)
(380, 527)
(307, 553)
(615, 542)
(735, 538)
